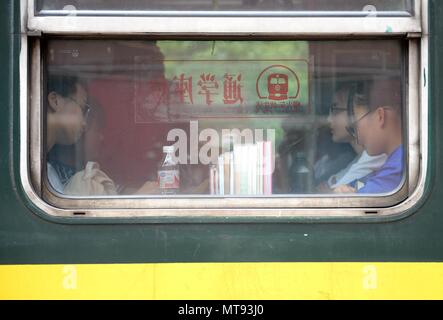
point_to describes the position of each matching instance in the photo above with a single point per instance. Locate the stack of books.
(246, 170)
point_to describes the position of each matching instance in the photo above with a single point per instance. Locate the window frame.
(219, 13)
(189, 208)
(255, 24)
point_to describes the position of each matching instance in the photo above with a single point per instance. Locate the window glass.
(225, 118)
(228, 5)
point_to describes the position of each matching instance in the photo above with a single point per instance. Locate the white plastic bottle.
(169, 173)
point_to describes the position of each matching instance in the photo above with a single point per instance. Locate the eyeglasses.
(86, 108)
(352, 128)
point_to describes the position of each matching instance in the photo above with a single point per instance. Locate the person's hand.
(344, 189)
(150, 187)
(323, 188)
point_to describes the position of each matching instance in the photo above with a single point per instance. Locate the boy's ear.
(381, 116)
(53, 101)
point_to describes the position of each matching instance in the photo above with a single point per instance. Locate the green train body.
(28, 237)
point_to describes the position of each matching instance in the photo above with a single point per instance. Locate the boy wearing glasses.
(67, 113)
(66, 122)
(377, 127)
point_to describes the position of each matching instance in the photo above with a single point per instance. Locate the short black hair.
(382, 91)
(354, 91)
(385, 92)
(64, 85)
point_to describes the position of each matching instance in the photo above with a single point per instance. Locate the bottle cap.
(168, 149)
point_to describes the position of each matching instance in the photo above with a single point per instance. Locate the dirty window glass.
(224, 118)
(356, 7)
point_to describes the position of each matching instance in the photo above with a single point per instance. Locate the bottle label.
(169, 179)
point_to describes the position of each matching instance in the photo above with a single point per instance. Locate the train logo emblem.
(278, 83)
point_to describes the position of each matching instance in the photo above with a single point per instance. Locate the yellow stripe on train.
(223, 281)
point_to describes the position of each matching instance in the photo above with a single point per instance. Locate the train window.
(216, 123)
(224, 7)
(224, 118)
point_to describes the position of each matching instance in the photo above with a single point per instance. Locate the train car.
(221, 149)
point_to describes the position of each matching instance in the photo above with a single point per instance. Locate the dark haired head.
(384, 92)
(375, 93)
(354, 93)
(62, 84)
